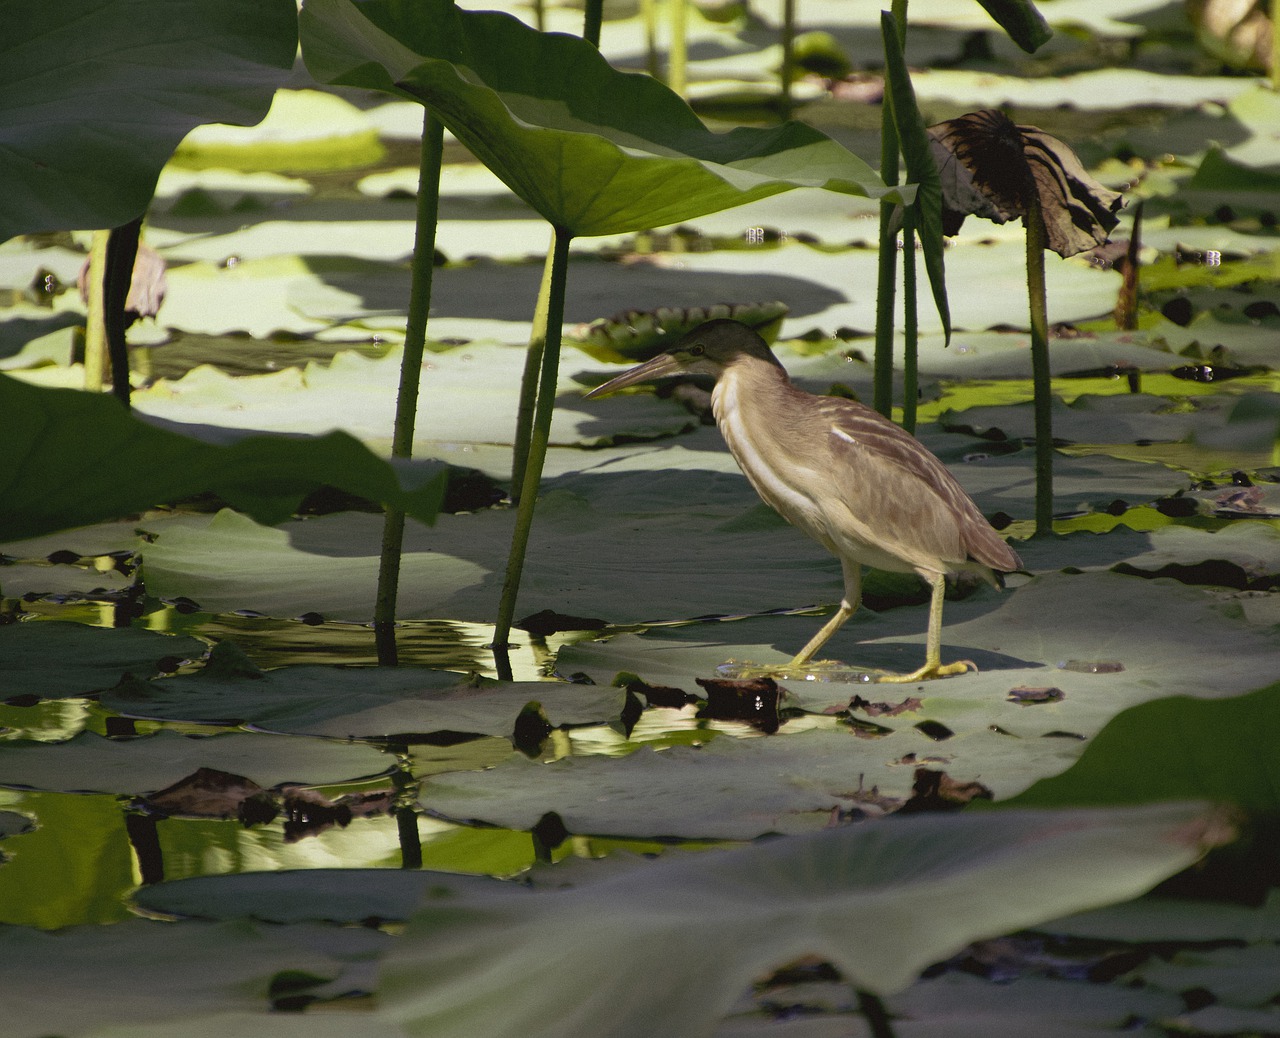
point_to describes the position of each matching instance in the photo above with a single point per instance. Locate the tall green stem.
(788, 49)
(117, 276)
(678, 60)
(592, 21)
(910, 320)
(649, 18)
(529, 381)
(95, 330)
(1041, 381)
(887, 268)
(549, 321)
(415, 339)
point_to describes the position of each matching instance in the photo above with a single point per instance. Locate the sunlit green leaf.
(594, 151)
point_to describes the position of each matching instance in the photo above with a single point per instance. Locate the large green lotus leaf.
(1175, 919)
(90, 763)
(363, 702)
(1220, 181)
(266, 1024)
(952, 1004)
(454, 570)
(1223, 749)
(468, 396)
(64, 464)
(728, 789)
(986, 284)
(1089, 418)
(59, 660)
(1005, 354)
(71, 864)
(347, 896)
(94, 105)
(303, 130)
(1242, 553)
(1092, 90)
(233, 563)
(593, 150)
(1104, 640)
(1235, 976)
(878, 901)
(142, 971)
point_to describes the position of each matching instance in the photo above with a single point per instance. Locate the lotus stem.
(592, 21)
(887, 269)
(910, 320)
(95, 329)
(678, 60)
(117, 276)
(874, 1012)
(649, 16)
(788, 50)
(529, 379)
(1037, 240)
(415, 339)
(550, 319)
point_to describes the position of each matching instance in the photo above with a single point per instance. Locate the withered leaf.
(209, 793)
(992, 167)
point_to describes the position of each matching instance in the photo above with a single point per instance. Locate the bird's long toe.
(930, 671)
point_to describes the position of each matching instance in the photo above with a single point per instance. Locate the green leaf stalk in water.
(1041, 381)
(415, 337)
(548, 325)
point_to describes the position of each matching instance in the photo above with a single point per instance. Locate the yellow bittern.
(859, 485)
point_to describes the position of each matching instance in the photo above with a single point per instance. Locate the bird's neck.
(749, 390)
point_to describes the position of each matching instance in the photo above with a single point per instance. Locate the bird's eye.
(697, 350)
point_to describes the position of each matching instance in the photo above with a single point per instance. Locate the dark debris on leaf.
(1026, 695)
(548, 622)
(935, 730)
(662, 695)
(937, 791)
(909, 705)
(753, 700)
(531, 729)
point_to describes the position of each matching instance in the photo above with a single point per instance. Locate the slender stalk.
(95, 329)
(649, 16)
(529, 381)
(910, 320)
(1275, 49)
(678, 60)
(117, 276)
(415, 338)
(551, 319)
(1041, 381)
(788, 50)
(875, 1014)
(592, 21)
(887, 269)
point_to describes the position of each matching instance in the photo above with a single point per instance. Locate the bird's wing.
(923, 507)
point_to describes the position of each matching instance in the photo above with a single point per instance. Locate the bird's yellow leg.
(848, 606)
(933, 665)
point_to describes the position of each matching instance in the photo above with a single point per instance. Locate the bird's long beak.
(659, 367)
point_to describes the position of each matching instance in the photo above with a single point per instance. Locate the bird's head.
(710, 349)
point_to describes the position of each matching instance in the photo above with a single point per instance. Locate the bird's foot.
(930, 671)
